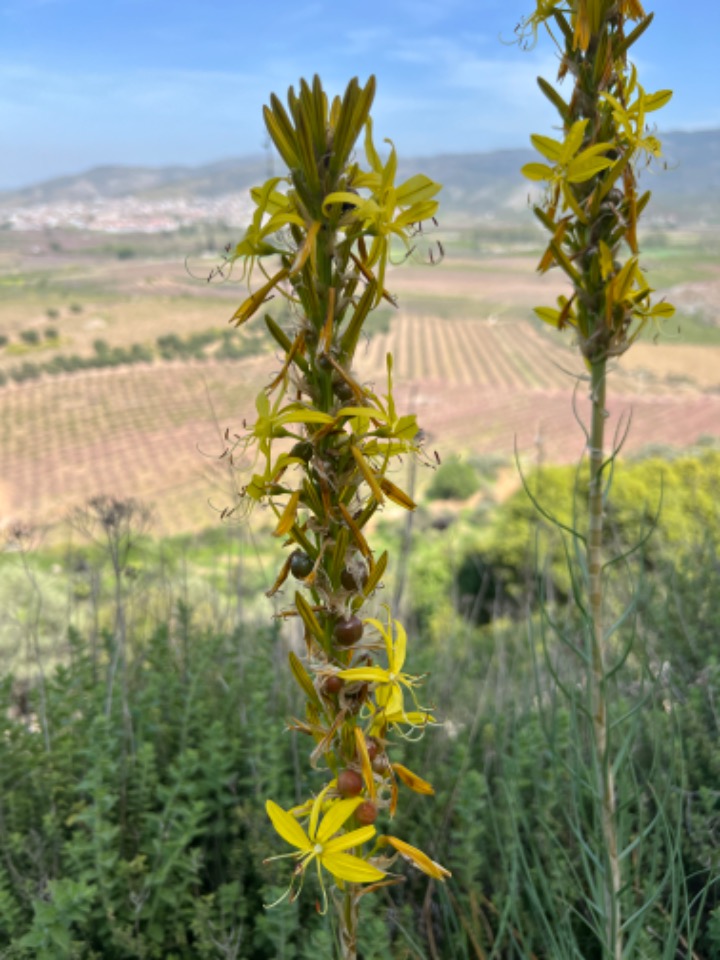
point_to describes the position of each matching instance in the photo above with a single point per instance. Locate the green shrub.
(454, 480)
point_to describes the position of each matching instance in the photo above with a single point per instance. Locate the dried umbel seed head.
(366, 813)
(348, 631)
(301, 565)
(332, 685)
(354, 579)
(349, 783)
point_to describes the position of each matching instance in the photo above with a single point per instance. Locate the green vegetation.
(454, 480)
(132, 792)
(219, 344)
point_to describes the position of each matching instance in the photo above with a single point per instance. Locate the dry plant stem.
(598, 676)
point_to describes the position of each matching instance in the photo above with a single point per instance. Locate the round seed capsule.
(332, 685)
(349, 783)
(343, 391)
(354, 579)
(366, 813)
(348, 631)
(372, 747)
(300, 565)
(380, 764)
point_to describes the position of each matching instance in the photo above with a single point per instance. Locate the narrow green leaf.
(554, 98)
(308, 618)
(548, 315)
(303, 679)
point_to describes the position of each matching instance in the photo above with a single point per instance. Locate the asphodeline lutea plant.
(590, 209)
(324, 446)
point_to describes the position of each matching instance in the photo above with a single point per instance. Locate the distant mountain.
(152, 183)
(477, 186)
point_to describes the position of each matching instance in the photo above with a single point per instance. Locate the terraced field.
(482, 375)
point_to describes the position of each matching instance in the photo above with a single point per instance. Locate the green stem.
(348, 925)
(612, 879)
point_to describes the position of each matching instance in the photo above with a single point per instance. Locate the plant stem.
(598, 676)
(348, 925)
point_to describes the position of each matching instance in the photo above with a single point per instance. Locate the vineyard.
(483, 375)
(155, 432)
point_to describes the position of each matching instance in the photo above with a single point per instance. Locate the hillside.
(477, 186)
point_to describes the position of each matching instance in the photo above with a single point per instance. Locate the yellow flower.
(321, 844)
(390, 681)
(390, 210)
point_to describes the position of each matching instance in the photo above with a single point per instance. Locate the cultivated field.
(482, 374)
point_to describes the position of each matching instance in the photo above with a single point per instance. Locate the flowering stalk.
(330, 224)
(591, 210)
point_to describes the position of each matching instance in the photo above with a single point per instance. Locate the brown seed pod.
(332, 685)
(348, 631)
(380, 764)
(349, 783)
(366, 813)
(372, 747)
(301, 565)
(343, 391)
(354, 579)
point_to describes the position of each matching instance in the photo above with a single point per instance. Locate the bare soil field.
(482, 374)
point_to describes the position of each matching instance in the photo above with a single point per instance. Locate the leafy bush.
(31, 337)
(131, 798)
(454, 480)
(26, 371)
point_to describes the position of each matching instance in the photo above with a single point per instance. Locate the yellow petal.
(364, 675)
(307, 249)
(353, 839)
(336, 817)
(361, 746)
(287, 519)
(417, 858)
(346, 867)
(537, 171)
(287, 826)
(390, 698)
(367, 473)
(249, 306)
(396, 494)
(400, 648)
(412, 780)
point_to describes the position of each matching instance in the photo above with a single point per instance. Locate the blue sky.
(150, 82)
